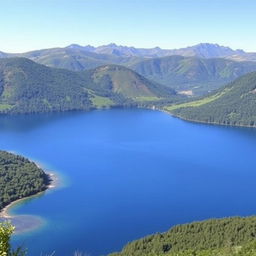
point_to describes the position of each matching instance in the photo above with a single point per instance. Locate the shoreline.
(197, 121)
(204, 122)
(53, 182)
(134, 107)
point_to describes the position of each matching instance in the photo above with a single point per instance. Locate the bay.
(127, 173)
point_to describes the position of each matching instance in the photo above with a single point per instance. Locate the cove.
(128, 173)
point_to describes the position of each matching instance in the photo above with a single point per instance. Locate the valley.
(200, 89)
(127, 128)
(202, 68)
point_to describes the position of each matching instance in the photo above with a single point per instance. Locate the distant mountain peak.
(208, 50)
(97, 55)
(87, 48)
(202, 50)
(73, 46)
(112, 45)
(3, 54)
(211, 45)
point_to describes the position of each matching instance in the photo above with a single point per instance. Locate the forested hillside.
(235, 104)
(28, 87)
(225, 237)
(19, 178)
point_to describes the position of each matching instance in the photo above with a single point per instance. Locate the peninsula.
(19, 178)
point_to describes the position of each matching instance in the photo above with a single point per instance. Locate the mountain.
(120, 50)
(197, 75)
(227, 237)
(128, 83)
(190, 75)
(77, 57)
(235, 104)
(4, 55)
(203, 50)
(74, 58)
(247, 56)
(206, 50)
(28, 87)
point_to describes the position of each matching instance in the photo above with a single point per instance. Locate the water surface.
(129, 173)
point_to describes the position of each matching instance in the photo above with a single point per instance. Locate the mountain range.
(203, 50)
(194, 70)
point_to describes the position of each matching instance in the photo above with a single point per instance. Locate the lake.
(127, 173)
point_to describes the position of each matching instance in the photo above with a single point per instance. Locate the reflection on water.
(23, 123)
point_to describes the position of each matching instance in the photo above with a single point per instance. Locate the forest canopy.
(19, 178)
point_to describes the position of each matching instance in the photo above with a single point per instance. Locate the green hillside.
(214, 237)
(19, 178)
(28, 87)
(129, 84)
(191, 73)
(235, 104)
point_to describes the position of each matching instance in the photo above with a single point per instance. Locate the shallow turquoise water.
(129, 173)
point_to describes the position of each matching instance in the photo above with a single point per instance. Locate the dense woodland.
(19, 178)
(215, 237)
(224, 237)
(235, 104)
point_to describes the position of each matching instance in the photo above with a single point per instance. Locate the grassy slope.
(100, 102)
(126, 82)
(199, 102)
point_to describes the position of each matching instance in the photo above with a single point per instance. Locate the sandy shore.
(54, 181)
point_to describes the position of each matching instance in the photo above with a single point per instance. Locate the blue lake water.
(128, 173)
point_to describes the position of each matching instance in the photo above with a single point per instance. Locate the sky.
(36, 24)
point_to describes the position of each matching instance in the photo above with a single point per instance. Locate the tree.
(6, 230)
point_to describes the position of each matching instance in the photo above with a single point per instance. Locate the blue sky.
(35, 24)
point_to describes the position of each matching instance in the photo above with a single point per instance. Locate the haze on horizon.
(28, 25)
